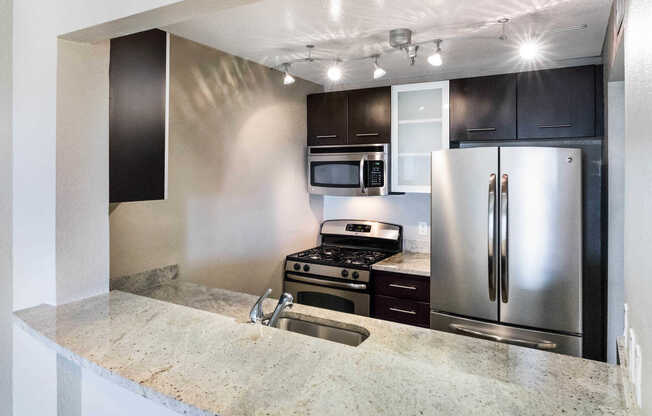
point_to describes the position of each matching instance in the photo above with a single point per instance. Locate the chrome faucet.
(285, 301)
(256, 314)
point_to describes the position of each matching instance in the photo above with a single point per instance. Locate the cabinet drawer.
(402, 286)
(402, 311)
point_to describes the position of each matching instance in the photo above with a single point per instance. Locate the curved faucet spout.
(285, 301)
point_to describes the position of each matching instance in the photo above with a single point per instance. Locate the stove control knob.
(345, 273)
(297, 266)
(306, 268)
(356, 275)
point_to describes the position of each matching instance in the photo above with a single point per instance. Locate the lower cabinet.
(401, 298)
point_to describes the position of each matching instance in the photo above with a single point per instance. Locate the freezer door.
(541, 238)
(546, 341)
(463, 265)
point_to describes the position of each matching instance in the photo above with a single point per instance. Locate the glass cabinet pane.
(419, 126)
(418, 105)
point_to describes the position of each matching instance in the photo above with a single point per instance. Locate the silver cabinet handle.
(363, 187)
(491, 238)
(367, 134)
(327, 136)
(554, 126)
(403, 311)
(543, 345)
(331, 283)
(402, 287)
(504, 240)
(481, 129)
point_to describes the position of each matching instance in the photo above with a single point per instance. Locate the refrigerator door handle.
(504, 241)
(491, 237)
(542, 345)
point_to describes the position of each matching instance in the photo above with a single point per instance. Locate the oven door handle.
(329, 283)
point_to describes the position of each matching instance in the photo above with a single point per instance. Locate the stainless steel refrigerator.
(506, 245)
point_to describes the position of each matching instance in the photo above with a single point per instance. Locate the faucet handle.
(256, 314)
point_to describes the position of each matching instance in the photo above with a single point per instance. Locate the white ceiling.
(271, 32)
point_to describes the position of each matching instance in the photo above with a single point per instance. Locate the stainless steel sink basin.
(331, 331)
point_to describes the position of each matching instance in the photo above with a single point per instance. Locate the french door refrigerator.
(506, 245)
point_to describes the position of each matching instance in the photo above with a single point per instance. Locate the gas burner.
(342, 256)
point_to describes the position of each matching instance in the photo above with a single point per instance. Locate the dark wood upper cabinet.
(556, 103)
(370, 115)
(483, 108)
(327, 118)
(137, 127)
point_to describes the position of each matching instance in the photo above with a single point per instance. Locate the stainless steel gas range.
(337, 274)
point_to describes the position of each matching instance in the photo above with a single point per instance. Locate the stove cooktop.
(340, 256)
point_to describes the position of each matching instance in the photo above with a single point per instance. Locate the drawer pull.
(403, 311)
(327, 136)
(402, 287)
(481, 129)
(554, 126)
(367, 134)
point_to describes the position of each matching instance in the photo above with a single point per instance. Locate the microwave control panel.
(376, 173)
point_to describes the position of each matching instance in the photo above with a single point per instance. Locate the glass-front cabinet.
(420, 125)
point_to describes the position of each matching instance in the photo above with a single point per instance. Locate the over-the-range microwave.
(352, 170)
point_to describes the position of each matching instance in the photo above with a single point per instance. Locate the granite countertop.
(406, 263)
(207, 360)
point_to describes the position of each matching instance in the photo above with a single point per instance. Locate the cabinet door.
(137, 120)
(327, 118)
(370, 115)
(483, 108)
(420, 119)
(556, 103)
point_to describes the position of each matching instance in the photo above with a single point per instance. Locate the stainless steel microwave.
(353, 170)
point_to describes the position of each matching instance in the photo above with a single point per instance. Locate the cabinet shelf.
(420, 121)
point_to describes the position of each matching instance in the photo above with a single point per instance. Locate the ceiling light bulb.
(334, 73)
(435, 59)
(288, 79)
(529, 50)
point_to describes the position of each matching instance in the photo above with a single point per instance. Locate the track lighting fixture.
(402, 40)
(287, 78)
(378, 71)
(435, 58)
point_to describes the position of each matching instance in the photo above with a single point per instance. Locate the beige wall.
(5, 205)
(638, 180)
(237, 200)
(82, 181)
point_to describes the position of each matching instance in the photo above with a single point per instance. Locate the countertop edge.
(407, 263)
(134, 387)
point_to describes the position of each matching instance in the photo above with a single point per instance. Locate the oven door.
(346, 297)
(348, 170)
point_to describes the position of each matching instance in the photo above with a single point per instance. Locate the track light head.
(287, 78)
(435, 58)
(379, 72)
(530, 50)
(335, 72)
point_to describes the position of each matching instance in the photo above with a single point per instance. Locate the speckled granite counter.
(406, 263)
(205, 363)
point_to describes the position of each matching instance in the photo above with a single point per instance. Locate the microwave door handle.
(363, 187)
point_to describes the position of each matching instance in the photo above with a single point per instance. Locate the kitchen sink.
(330, 330)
